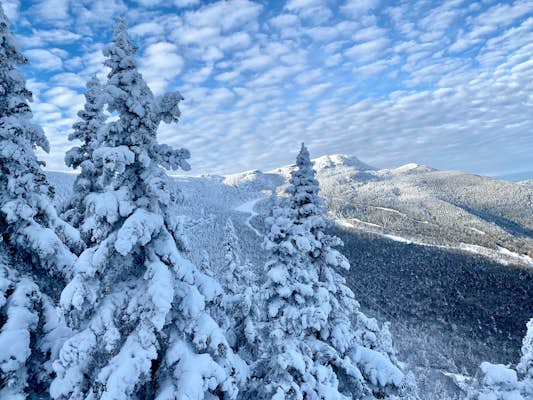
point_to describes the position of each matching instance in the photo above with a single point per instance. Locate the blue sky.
(442, 83)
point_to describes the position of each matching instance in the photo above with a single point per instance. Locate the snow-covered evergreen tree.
(86, 130)
(28, 220)
(34, 258)
(136, 303)
(239, 301)
(525, 367)
(19, 318)
(318, 344)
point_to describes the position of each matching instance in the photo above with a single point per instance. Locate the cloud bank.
(447, 84)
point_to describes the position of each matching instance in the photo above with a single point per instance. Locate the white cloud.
(96, 13)
(44, 59)
(358, 7)
(188, 35)
(307, 77)
(276, 75)
(235, 41)
(257, 62)
(228, 76)
(377, 67)
(303, 4)
(57, 36)
(52, 10)
(160, 64)
(388, 83)
(315, 90)
(370, 33)
(367, 51)
(186, 3)
(199, 75)
(69, 79)
(284, 21)
(227, 15)
(498, 16)
(316, 11)
(146, 28)
(149, 3)
(64, 97)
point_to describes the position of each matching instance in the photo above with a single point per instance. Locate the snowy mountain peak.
(411, 167)
(406, 167)
(336, 160)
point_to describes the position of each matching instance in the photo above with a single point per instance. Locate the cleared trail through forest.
(248, 208)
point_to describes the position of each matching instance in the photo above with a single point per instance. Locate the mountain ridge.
(419, 204)
(412, 203)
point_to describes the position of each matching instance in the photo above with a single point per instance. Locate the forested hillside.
(123, 282)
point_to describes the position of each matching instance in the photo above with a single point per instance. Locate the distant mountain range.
(412, 203)
(419, 204)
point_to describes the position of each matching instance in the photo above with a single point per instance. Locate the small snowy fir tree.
(86, 131)
(501, 382)
(239, 301)
(33, 256)
(525, 367)
(137, 305)
(317, 343)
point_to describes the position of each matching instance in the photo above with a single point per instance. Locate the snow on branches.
(318, 344)
(136, 304)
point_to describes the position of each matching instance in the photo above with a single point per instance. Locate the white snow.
(365, 223)
(522, 257)
(497, 374)
(477, 230)
(335, 160)
(137, 229)
(401, 239)
(248, 208)
(377, 367)
(392, 210)
(406, 167)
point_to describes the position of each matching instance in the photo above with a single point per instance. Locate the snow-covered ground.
(417, 257)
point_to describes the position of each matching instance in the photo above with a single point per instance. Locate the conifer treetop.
(86, 129)
(140, 112)
(14, 96)
(303, 190)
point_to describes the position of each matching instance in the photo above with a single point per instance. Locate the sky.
(447, 84)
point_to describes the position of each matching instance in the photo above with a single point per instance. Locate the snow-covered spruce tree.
(502, 382)
(318, 345)
(239, 300)
(136, 303)
(34, 258)
(28, 220)
(86, 130)
(525, 367)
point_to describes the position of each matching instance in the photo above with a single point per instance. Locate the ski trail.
(248, 208)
